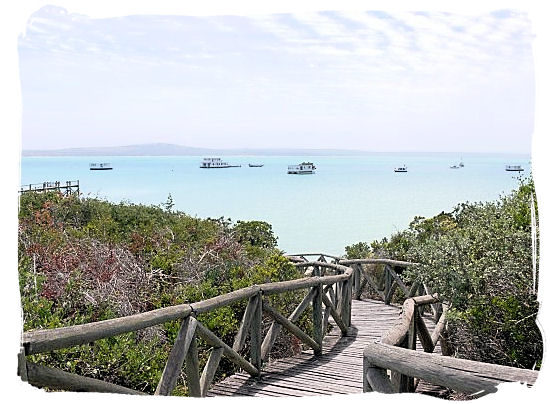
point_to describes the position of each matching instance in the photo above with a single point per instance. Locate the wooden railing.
(328, 284)
(68, 187)
(396, 354)
(330, 287)
(384, 286)
(461, 375)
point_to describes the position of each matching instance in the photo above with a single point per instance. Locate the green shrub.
(478, 258)
(83, 260)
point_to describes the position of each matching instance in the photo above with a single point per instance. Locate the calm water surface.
(348, 199)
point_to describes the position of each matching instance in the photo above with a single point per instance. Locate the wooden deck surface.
(338, 371)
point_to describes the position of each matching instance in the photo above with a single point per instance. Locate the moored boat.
(514, 168)
(255, 165)
(100, 166)
(302, 168)
(401, 169)
(215, 162)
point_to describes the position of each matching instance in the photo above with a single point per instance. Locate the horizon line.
(191, 149)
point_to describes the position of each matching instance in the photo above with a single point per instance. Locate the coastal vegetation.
(479, 259)
(84, 259)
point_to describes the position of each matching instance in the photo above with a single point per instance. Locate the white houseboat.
(303, 168)
(215, 162)
(401, 169)
(100, 166)
(514, 168)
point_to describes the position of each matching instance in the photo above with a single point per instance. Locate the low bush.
(83, 260)
(479, 258)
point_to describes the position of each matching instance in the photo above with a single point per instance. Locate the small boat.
(514, 168)
(215, 162)
(100, 166)
(454, 167)
(302, 168)
(461, 164)
(255, 165)
(402, 169)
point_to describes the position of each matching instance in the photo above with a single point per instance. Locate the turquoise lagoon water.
(348, 199)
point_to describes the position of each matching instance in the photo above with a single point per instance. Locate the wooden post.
(421, 292)
(345, 302)
(350, 299)
(177, 356)
(375, 378)
(22, 365)
(387, 287)
(332, 296)
(413, 289)
(338, 296)
(424, 334)
(366, 365)
(357, 282)
(256, 333)
(245, 323)
(411, 344)
(210, 370)
(439, 328)
(192, 369)
(317, 305)
(392, 291)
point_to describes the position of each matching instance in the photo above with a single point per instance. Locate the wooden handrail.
(459, 374)
(315, 255)
(64, 337)
(377, 261)
(341, 279)
(405, 333)
(406, 365)
(184, 351)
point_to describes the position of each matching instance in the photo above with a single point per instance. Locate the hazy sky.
(375, 81)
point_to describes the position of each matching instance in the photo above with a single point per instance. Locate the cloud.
(345, 66)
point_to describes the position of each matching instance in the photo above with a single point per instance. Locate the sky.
(360, 79)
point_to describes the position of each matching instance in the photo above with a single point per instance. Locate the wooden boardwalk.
(338, 371)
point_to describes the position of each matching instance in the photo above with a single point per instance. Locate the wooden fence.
(396, 355)
(330, 288)
(327, 284)
(385, 286)
(67, 187)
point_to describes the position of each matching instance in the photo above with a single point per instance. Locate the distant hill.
(166, 149)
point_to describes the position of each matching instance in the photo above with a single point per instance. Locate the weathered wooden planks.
(338, 371)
